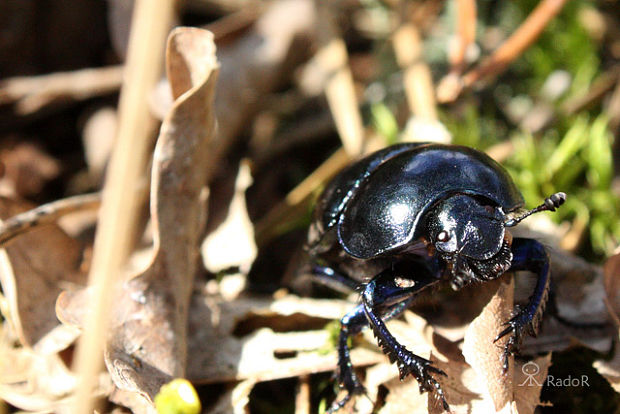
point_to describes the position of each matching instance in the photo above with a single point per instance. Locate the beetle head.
(469, 234)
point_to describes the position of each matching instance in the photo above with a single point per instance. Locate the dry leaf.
(527, 383)
(26, 169)
(484, 356)
(580, 293)
(98, 140)
(237, 230)
(612, 287)
(263, 339)
(147, 343)
(34, 268)
(234, 400)
(36, 382)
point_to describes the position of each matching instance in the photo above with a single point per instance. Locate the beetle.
(407, 217)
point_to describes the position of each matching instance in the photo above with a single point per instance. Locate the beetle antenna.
(551, 203)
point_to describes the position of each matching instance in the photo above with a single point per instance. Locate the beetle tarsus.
(517, 326)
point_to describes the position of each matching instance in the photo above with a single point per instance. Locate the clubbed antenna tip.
(550, 204)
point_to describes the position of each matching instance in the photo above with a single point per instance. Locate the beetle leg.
(387, 290)
(352, 324)
(333, 279)
(528, 254)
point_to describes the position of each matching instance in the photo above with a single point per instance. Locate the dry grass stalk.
(31, 93)
(417, 75)
(465, 32)
(115, 228)
(339, 87)
(267, 228)
(450, 87)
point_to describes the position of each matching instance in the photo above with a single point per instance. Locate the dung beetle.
(407, 217)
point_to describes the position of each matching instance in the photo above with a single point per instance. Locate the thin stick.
(46, 214)
(32, 93)
(115, 228)
(302, 399)
(450, 88)
(465, 34)
(266, 229)
(418, 81)
(339, 87)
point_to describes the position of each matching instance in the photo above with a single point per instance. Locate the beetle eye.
(443, 236)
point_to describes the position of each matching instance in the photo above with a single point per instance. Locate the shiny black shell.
(375, 204)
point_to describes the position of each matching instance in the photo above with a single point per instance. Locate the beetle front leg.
(386, 290)
(528, 255)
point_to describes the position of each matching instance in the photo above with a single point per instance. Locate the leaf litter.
(241, 339)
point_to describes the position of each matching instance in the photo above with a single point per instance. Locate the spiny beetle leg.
(351, 324)
(385, 289)
(528, 254)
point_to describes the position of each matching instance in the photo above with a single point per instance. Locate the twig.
(46, 214)
(298, 199)
(465, 34)
(228, 26)
(339, 88)
(302, 399)
(599, 88)
(450, 87)
(31, 93)
(418, 81)
(115, 228)
(613, 108)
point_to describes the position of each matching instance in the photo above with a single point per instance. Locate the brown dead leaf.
(477, 383)
(612, 287)
(26, 169)
(484, 356)
(134, 401)
(148, 337)
(34, 268)
(581, 297)
(147, 343)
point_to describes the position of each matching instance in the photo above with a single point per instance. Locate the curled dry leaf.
(147, 337)
(580, 294)
(147, 343)
(34, 268)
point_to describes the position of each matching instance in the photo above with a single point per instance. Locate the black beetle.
(407, 217)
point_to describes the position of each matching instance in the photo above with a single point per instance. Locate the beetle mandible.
(407, 217)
